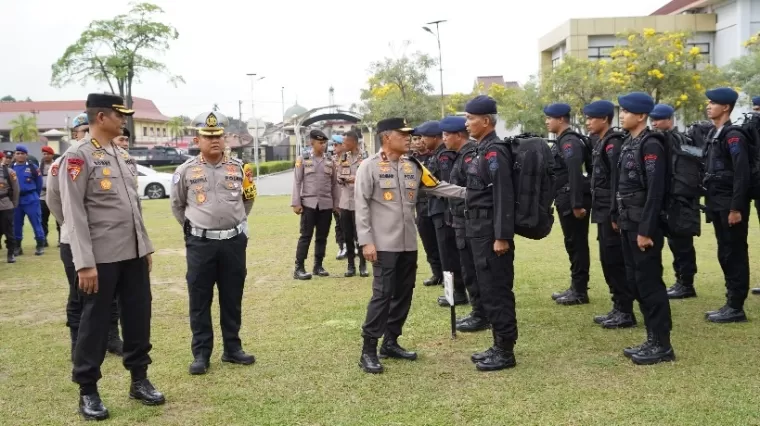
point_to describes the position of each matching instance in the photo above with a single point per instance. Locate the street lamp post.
(437, 35)
(253, 117)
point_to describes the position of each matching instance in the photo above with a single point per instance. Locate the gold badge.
(105, 184)
(197, 169)
(211, 120)
(388, 196)
(407, 168)
(231, 185)
(411, 195)
(106, 171)
(98, 155)
(200, 197)
(385, 169)
(231, 169)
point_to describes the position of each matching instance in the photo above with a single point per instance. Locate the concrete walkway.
(276, 184)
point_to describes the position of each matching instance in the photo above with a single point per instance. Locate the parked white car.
(152, 184)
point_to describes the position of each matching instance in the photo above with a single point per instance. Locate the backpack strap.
(640, 156)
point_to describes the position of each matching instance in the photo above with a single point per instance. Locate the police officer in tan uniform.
(211, 198)
(387, 185)
(315, 197)
(9, 195)
(347, 167)
(111, 252)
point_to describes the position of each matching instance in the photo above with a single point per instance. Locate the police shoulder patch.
(176, 178)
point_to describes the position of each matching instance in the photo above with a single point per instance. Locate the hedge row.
(264, 168)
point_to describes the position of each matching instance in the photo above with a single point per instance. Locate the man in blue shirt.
(30, 186)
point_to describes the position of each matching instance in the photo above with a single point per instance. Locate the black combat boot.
(459, 299)
(39, 250)
(573, 298)
(472, 323)
(368, 361)
(391, 349)
(238, 357)
(11, 255)
(319, 270)
(199, 365)
(658, 351)
(679, 290)
(300, 272)
(115, 345)
(91, 407)
(434, 280)
(558, 294)
(599, 319)
(631, 350)
(501, 357)
(143, 391)
(620, 320)
(363, 267)
(756, 291)
(351, 270)
(726, 314)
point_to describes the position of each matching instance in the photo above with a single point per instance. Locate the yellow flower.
(684, 97)
(699, 87)
(626, 53)
(696, 77)
(634, 55)
(671, 57)
(602, 62)
(649, 32)
(656, 74)
(631, 68)
(694, 51)
(632, 37)
(678, 103)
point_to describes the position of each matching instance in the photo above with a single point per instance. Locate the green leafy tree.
(114, 51)
(176, 127)
(663, 65)
(521, 106)
(400, 88)
(7, 98)
(743, 71)
(24, 128)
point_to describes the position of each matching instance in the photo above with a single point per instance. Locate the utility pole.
(253, 117)
(437, 34)
(240, 112)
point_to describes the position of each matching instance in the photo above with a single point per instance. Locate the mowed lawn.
(306, 338)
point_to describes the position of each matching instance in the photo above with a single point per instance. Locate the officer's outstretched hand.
(500, 247)
(734, 218)
(88, 280)
(297, 209)
(150, 263)
(615, 227)
(579, 213)
(644, 242)
(369, 252)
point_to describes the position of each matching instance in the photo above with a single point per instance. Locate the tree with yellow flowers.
(744, 71)
(663, 65)
(521, 106)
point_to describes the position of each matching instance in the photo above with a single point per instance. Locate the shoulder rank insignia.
(95, 143)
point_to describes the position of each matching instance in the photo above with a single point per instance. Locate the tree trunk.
(128, 100)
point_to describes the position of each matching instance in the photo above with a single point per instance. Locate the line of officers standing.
(619, 183)
(107, 254)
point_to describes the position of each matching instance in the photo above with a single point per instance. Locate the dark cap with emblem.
(210, 123)
(398, 124)
(756, 101)
(557, 110)
(453, 124)
(662, 112)
(599, 109)
(107, 100)
(722, 96)
(317, 135)
(636, 102)
(481, 105)
(428, 128)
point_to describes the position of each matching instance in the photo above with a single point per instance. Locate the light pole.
(437, 35)
(256, 130)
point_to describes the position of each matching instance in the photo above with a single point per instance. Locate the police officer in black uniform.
(606, 153)
(684, 255)
(640, 198)
(490, 231)
(727, 181)
(425, 225)
(756, 108)
(457, 139)
(572, 199)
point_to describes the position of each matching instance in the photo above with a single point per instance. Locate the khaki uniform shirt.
(53, 195)
(101, 205)
(315, 184)
(385, 197)
(44, 171)
(347, 167)
(8, 183)
(209, 195)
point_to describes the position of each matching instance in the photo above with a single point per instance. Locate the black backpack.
(588, 148)
(533, 179)
(685, 173)
(750, 127)
(697, 133)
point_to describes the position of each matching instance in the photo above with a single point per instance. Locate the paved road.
(279, 184)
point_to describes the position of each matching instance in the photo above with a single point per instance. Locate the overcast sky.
(305, 46)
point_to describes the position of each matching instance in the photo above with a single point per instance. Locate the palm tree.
(176, 128)
(24, 128)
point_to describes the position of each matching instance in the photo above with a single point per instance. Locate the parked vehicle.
(153, 184)
(158, 156)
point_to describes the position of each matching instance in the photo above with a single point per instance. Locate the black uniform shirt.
(570, 156)
(727, 169)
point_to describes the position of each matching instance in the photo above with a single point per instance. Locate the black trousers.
(340, 237)
(575, 232)
(613, 266)
(644, 271)
(130, 280)
(684, 259)
(469, 275)
(392, 290)
(447, 249)
(496, 277)
(348, 222)
(313, 219)
(220, 262)
(74, 302)
(46, 219)
(6, 228)
(733, 255)
(426, 228)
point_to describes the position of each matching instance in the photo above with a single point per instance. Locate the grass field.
(306, 337)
